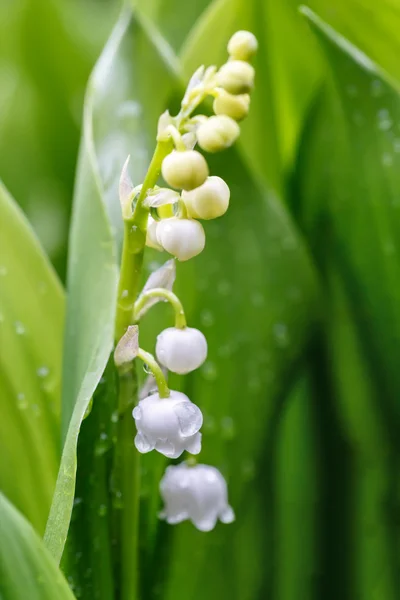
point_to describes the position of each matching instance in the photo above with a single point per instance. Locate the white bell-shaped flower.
(198, 493)
(183, 238)
(181, 350)
(169, 425)
(236, 77)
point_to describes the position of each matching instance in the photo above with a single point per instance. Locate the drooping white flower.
(242, 45)
(181, 350)
(183, 238)
(198, 493)
(184, 169)
(209, 201)
(169, 425)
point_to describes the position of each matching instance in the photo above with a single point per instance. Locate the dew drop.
(281, 334)
(19, 328)
(207, 318)
(209, 425)
(376, 88)
(228, 429)
(37, 411)
(224, 288)
(387, 159)
(114, 417)
(248, 470)
(257, 299)
(190, 418)
(142, 443)
(384, 121)
(42, 371)
(209, 371)
(21, 401)
(136, 413)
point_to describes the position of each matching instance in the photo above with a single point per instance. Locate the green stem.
(155, 368)
(180, 319)
(134, 243)
(126, 475)
(126, 483)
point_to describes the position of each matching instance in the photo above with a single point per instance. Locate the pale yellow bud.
(217, 133)
(242, 45)
(236, 107)
(236, 77)
(184, 170)
(209, 201)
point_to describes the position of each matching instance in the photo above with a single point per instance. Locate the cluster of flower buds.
(167, 421)
(200, 195)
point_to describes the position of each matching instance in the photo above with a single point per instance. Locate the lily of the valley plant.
(168, 218)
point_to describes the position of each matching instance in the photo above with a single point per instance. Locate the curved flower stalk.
(168, 218)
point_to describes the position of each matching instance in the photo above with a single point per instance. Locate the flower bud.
(208, 201)
(217, 133)
(181, 350)
(184, 170)
(197, 493)
(236, 77)
(169, 425)
(183, 238)
(236, 107)
(151, 234)
(242, 45)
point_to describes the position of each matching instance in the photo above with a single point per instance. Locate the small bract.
(242, 45)
(181, 350)
(183, 238)
(209, 201)
(196, 493)
(217, 133)
(184, 170)
(236, 77)
(169, 425)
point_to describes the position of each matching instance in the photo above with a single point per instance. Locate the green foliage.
(25, 564)
(297, 293)
(31, 323)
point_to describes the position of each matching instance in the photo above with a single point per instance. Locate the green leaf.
(163, 13)
(371, 26)
(31, 324)
(25, 565)
(348, 183)
(123, 102)
(296, 498)
(252, 292)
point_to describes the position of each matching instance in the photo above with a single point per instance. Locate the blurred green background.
(298, 291)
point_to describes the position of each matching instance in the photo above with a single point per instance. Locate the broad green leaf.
(26, 568)
(42, 93)
(295, 513)
(371, 26)
(287, 69)
(348, 186)
(31, 325)
(252, 293)
(174, 18)
(121, 110)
